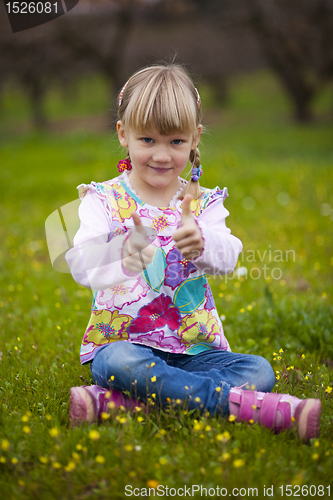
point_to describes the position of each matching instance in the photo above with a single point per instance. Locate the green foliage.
(279, 178)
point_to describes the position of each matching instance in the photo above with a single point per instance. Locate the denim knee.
(115, 361)
(266, 376)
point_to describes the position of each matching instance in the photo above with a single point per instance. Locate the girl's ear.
(196, 137)
(121, 134)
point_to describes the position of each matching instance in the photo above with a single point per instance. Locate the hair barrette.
(122, 92)
(198, 97)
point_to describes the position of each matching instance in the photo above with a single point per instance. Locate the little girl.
(146, 241)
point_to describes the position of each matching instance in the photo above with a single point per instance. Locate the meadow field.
(277, 304)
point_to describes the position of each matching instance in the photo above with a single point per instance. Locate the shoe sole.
(309, 420)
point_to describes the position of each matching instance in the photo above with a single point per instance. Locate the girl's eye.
(177, 141)
(147, 140)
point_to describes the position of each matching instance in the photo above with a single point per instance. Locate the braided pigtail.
(193, 186)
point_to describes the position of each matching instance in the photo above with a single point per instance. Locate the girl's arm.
(96, 260)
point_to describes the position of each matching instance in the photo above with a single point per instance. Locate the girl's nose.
(162, 154)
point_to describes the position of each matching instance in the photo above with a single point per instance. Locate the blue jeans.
(202, 381)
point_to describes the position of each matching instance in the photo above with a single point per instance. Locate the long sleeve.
(95, 260)
(221, 248)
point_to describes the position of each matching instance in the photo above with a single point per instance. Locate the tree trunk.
(36, 96)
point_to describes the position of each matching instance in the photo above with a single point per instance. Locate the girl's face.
(157, 159)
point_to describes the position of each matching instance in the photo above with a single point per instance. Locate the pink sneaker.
(277, 411)
(88, 402)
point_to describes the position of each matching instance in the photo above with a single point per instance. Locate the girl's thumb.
(138, 223)
(186, 210)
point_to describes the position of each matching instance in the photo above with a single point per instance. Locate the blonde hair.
(163, 98)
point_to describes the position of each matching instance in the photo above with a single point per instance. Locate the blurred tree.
(295, 36)
(34, 58)
(99, 35)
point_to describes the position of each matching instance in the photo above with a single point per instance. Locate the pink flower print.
(122, 295)
(157, 339)
(167, 218)
(157, 314)
(178, 269)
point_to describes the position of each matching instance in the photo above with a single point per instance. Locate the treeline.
(214, 38)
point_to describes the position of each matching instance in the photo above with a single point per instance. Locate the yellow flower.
(14, 460)
(152, 483)
(70, 466)
(238, 463)
(43, 460)
(128, 447)
(200, 326)
(105, 327)
(218, 389)
(5, 445)
(56, 465)
(316, 443)
(94, 435)
(26, 429)
(153, 379)
(24, 418)
(163, 461)
(100, 459)
(232, 418)
(315, 456)
(281, 351)
(197, 399)
(104, 415)
(303, 356)
(328, 389)
(140, 419)
(54, 432)
(225, 456)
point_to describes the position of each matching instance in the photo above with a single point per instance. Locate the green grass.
(279, 177)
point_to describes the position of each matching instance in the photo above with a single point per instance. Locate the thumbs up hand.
(137, 253)
(188, 237)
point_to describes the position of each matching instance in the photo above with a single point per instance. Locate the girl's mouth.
(159, 169)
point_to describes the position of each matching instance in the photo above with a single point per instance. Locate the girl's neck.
(158, 197)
